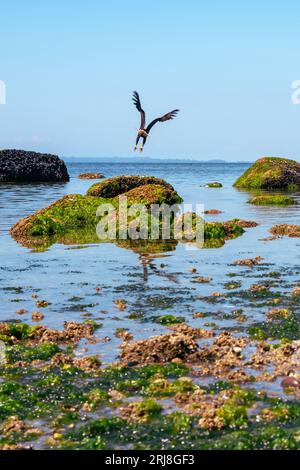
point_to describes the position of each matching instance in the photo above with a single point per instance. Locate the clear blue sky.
(70, 68)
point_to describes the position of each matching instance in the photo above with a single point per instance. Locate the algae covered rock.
(70, 212)
(223, 230)
(113, 187)
(196, 230)
(161, 349)
(127, 209)
(292, 231)
(271, 173)
(20, 166)
(74, 217)
(272, 201)
(215, 184)
(152, 194)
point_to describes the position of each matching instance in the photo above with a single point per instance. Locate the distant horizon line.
(153, 159)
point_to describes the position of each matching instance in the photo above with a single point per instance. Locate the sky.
(70, 67)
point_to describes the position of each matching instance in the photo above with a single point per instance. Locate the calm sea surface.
(67, 277)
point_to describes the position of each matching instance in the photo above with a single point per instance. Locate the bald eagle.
(144, 132)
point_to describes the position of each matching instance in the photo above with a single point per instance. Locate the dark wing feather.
(136, 100)
(165, 117)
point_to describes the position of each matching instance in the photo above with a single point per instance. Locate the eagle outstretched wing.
(165, 117)
(136, 100)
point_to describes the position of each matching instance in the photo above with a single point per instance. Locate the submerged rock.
(213, 212)
(246, 223)
(224, 230)
(248, 261)
(211, 230)
(271, 173)
(20, 166)
(91, 176)
(272, 201)
(292, 231)
(215, 184)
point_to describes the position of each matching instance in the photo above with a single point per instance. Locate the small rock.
(21, 311)
(120, 303)
(290, 382)
(202, 279)
(91, 176)
(193, 270)
(213, 212)
(248, 261)
(215, 184)
(42, 303)
(37, 316)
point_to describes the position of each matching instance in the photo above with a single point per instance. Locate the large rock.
(117, 185)
(271, 173)
(20, 166)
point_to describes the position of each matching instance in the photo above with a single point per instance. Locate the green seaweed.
(168, 319)
(19, 352)
(60, 394)
(283, 328)
(215, 184)
(272, 201)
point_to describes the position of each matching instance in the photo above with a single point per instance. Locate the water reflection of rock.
(148, 265)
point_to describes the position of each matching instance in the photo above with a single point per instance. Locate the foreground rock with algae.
(271, 173)
(73, 219)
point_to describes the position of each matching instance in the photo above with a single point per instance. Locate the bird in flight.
(144, 132)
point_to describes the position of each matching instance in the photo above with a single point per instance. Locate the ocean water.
(67, 276)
